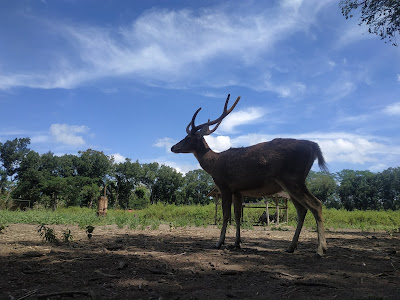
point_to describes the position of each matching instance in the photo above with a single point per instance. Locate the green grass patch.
(195, 215)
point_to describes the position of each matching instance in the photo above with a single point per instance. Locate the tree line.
(79, 180)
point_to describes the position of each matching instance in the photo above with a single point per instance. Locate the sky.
(125, 78)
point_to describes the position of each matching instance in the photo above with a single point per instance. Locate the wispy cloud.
(166, 143)
(352, 33)
(165, 45)
(250, 115)
(392, 109)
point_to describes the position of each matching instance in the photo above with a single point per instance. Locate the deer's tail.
(321, 160)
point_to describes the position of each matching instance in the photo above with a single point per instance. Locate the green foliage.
(323, 186)
(195, 215)
(47, 234)
(89, 231)
(127, 175)
(358, 190)
(197, 184)
(167, 183)
(382, 17)
(67, 236)
(140, 198)
(51, 181)
(93, 164)
(12, 154)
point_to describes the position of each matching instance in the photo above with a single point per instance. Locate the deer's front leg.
(237, 202)
(226, 212)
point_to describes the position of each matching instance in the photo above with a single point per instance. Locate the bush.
(140, 198)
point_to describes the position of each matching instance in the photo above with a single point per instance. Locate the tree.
(197, 184)
(167, 183)
(389, 188)
(149, 177)
(140, 198)
(90, 193)
(11, 155)
(93, 164)
(53, 187)
(323, 186)
(127, 176)
(359, 190)
(30, 178)
(382, 17)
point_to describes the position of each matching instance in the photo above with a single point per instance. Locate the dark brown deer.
(262, 169)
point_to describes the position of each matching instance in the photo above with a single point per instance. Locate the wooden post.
(277, 210)
(286, 213)
(216, 210)
(267, 209)
(102, 206)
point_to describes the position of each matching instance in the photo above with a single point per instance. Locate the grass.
(195, 215)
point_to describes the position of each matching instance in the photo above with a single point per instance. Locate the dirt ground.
(180, 263)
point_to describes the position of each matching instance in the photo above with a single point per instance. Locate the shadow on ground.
(180, 263)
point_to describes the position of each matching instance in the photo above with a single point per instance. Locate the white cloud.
(68, 134)
(336, 146)
(284, 90)
(40, 139)
(352, 33)
(182, 168)
(378, 167)
(241, 117)
(164, 46)
(118, 158)
(166, 143)
(218, 143)
(340, 88)
(392, 109)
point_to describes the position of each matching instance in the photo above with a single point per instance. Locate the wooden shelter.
(277, 201)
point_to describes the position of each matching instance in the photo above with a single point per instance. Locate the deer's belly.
(263, 190)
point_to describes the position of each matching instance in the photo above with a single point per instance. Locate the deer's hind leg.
(237, 204)
(300, 193)
(301, 214)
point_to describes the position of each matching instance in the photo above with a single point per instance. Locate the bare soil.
(180, 263)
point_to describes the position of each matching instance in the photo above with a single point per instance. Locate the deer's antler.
(209, 123)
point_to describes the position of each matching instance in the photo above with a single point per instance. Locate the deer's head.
(194, 139)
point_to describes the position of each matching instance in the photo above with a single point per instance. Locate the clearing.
(180, 263)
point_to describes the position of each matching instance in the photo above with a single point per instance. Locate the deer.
(258, 170)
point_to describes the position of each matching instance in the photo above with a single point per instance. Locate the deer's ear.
(203, 131)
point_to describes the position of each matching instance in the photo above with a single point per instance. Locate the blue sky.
(125, 77)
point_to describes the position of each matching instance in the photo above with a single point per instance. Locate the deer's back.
(263, 163)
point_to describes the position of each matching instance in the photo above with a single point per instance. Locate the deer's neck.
(206, 157)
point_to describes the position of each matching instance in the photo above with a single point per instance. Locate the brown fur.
(258, 170)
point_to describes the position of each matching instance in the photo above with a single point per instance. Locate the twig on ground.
(28, 295)
(67, 294)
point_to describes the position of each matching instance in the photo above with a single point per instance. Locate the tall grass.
(195, 215)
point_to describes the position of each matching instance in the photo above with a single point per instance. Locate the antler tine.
(192, 123)
(224, 114)
(216, 121)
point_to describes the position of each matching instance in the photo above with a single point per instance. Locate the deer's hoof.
(318, 255)
(233, 247)
(290, 250)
